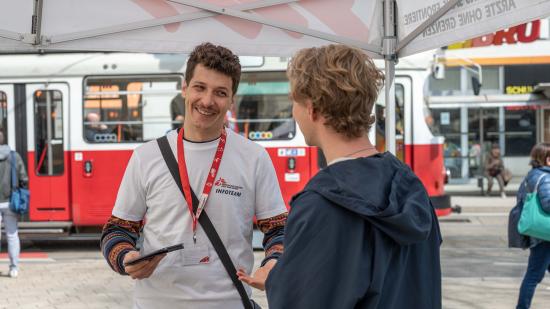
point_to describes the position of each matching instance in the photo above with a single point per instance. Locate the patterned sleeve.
(274, 234)
(118, 238)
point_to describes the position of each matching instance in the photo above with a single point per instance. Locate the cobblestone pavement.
(89, 283)
(64, 283)
(479, 271)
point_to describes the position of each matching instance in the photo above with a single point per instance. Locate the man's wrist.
(273, 257)
(120, 260)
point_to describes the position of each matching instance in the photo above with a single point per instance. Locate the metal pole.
(49, 131)
(481, 142)
(390, 106)
(389, 44)
(37, 22)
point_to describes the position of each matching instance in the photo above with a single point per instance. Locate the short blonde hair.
(342, 82)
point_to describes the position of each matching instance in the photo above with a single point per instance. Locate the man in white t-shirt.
(150, 204)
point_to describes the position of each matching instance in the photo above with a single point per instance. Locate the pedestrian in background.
(362, 234)
(8, 217)
(539, 256)
(494, 168)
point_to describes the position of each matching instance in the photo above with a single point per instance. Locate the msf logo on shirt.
(223, 187)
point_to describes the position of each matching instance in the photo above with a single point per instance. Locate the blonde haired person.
(362, 234)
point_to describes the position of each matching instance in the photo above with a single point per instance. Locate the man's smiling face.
(208, 97)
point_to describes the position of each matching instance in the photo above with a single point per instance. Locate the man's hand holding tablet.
(140, 267)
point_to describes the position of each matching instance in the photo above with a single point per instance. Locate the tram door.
(47, 136)
(6, 114)
(402, 99)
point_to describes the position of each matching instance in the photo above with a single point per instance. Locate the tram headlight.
(291, 164)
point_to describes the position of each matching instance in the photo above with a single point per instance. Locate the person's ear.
(311, 112)
(183, 89)
(548, 161)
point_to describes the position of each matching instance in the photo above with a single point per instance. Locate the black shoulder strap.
(205, 222)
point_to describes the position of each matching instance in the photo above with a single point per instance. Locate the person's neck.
(192, 135)
(336, 146)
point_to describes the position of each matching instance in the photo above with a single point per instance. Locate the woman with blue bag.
(7, 216)
(530, 217)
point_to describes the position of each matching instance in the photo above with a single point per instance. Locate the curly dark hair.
(342, 83)
(216, 58)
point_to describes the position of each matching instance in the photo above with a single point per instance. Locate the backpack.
(20, 197)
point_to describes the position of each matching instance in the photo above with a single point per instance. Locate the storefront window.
(490, 81)
(446, 122)
(520, 134)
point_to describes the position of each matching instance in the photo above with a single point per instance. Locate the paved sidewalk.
(471, 188)
(88, 283)
(60, 283)
(479, 271)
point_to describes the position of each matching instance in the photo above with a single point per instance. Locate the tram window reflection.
(263, 110)
(128, 109)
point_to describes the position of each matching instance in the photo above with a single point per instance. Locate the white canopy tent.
(384, 28)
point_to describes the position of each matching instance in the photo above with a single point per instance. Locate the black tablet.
(153, 254)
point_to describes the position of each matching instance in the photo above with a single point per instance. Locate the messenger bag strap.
(205, 222)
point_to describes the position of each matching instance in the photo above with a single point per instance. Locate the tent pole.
(390, 105)
(37, 22)
(388, 50)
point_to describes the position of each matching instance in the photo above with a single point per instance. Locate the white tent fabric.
(76, 24)
(179, 25)
(470, 18)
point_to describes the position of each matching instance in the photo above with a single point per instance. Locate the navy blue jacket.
(362, 234)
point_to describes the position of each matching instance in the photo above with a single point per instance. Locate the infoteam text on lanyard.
(184, 177)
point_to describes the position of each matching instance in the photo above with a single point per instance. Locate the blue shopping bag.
(20, 197)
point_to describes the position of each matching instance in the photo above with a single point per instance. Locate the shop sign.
(524, 33)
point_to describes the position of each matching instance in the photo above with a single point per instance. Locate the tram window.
(263, 110)
(4, 115)
(48, 132)
(519, 135)
(128, 108)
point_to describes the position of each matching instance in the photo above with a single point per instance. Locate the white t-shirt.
(246, 186)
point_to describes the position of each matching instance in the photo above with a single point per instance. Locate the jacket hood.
(383, 191)
(4, 152)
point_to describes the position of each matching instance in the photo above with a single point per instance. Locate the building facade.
(510, 109)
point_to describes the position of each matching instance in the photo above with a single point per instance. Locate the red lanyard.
(184, 177)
